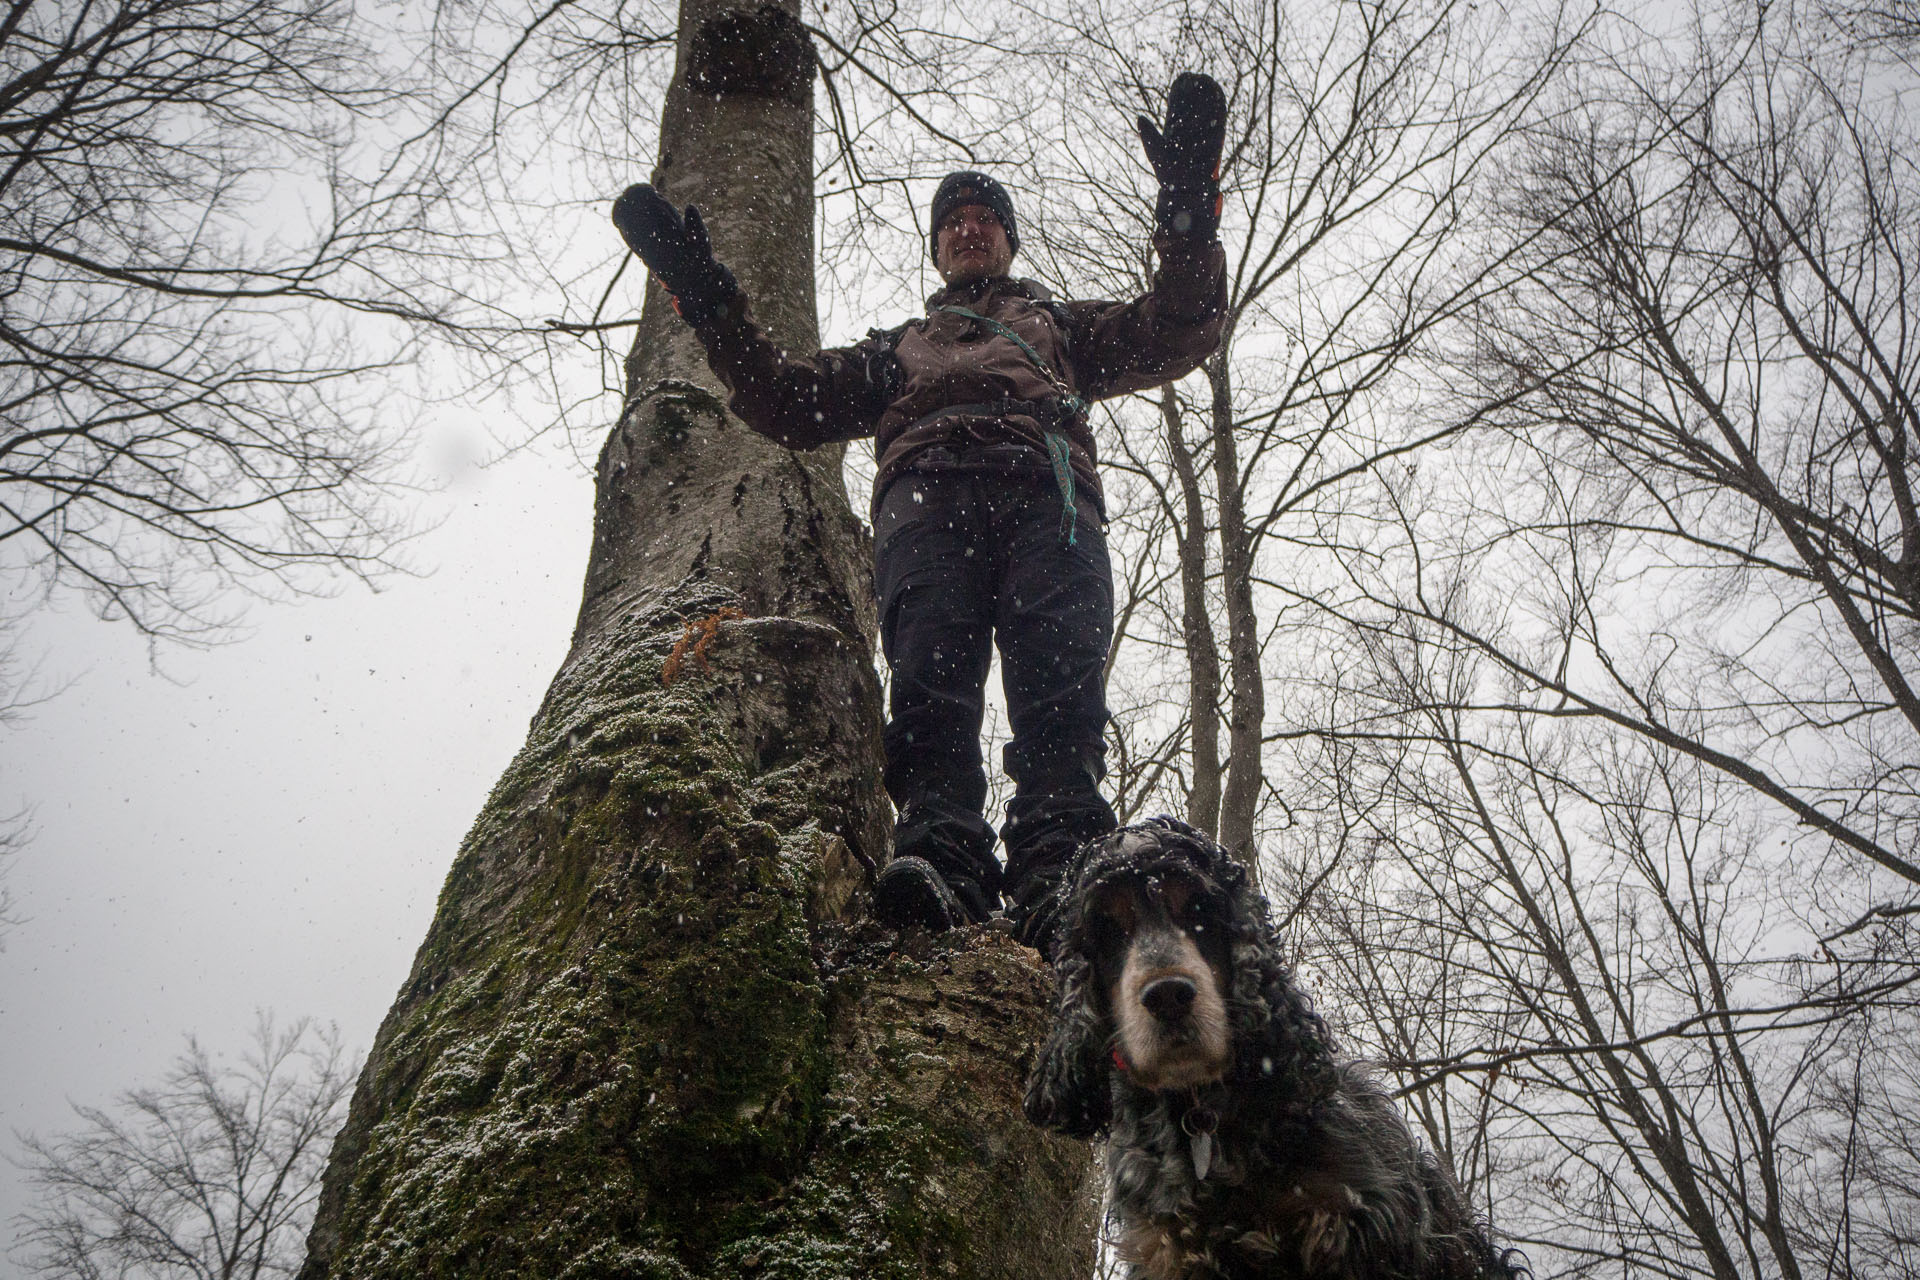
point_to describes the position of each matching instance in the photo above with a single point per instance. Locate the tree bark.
(647, 1034)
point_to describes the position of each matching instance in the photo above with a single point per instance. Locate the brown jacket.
(904, 386)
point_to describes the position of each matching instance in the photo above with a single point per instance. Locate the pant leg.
(936, 615)
(1054, 614)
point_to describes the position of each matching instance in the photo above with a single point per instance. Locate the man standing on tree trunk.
(987, 508)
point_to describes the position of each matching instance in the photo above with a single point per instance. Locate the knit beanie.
(966, 187)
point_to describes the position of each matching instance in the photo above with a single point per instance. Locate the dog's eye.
(1197, 914)
(1182, 898)
(1105, 932)
(1113, 917)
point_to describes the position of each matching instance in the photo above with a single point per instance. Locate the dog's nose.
(1168, 999)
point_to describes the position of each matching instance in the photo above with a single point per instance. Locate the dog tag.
(1202, 1147)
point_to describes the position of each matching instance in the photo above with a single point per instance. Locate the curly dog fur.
(1241, 1144)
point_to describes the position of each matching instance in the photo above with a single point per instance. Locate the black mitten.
(676, 250)
(1185, 155)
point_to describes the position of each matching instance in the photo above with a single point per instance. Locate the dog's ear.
(1070, 1089)
(1275, 1029)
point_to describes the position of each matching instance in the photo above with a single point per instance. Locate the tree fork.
(645, 1035)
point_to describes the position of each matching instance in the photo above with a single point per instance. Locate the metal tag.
(1202, 1147)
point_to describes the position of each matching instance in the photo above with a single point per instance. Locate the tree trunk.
(647, 1035)
(1247, 710)
(1196, 625)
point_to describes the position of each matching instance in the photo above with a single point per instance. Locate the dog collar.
(1120, 1062)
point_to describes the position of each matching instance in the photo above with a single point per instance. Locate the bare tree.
(210, 1174)
(1589, 684)
(216, 238)
(1358, 134)
(1604, 764)
(1711, 348)
(1609, 995)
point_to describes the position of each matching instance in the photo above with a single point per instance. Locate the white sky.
(266, 824)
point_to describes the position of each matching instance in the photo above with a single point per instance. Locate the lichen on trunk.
(648, 1034)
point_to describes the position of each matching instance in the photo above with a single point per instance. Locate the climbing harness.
(1072, 404)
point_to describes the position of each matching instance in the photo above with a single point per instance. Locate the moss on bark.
(640, 1040)
(614, 1032)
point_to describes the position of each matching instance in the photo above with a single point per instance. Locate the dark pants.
(969, 549)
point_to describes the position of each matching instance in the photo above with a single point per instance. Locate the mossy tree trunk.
(648, 1034)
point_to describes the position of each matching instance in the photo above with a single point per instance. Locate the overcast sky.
(266, 824)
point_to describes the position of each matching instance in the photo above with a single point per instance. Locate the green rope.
(1063, 476)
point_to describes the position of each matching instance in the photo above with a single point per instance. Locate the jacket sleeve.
(1164, 333)
(800, 402)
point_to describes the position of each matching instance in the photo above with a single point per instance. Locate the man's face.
(970, 244)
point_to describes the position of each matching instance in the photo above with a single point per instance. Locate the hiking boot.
(910, 891)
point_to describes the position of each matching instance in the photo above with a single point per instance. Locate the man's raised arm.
(1166, 333)
(799, 402)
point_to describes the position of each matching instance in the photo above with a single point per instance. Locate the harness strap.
(1058, 450)
(1040, 410)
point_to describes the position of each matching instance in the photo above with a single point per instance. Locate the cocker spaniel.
(1241, 1144)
